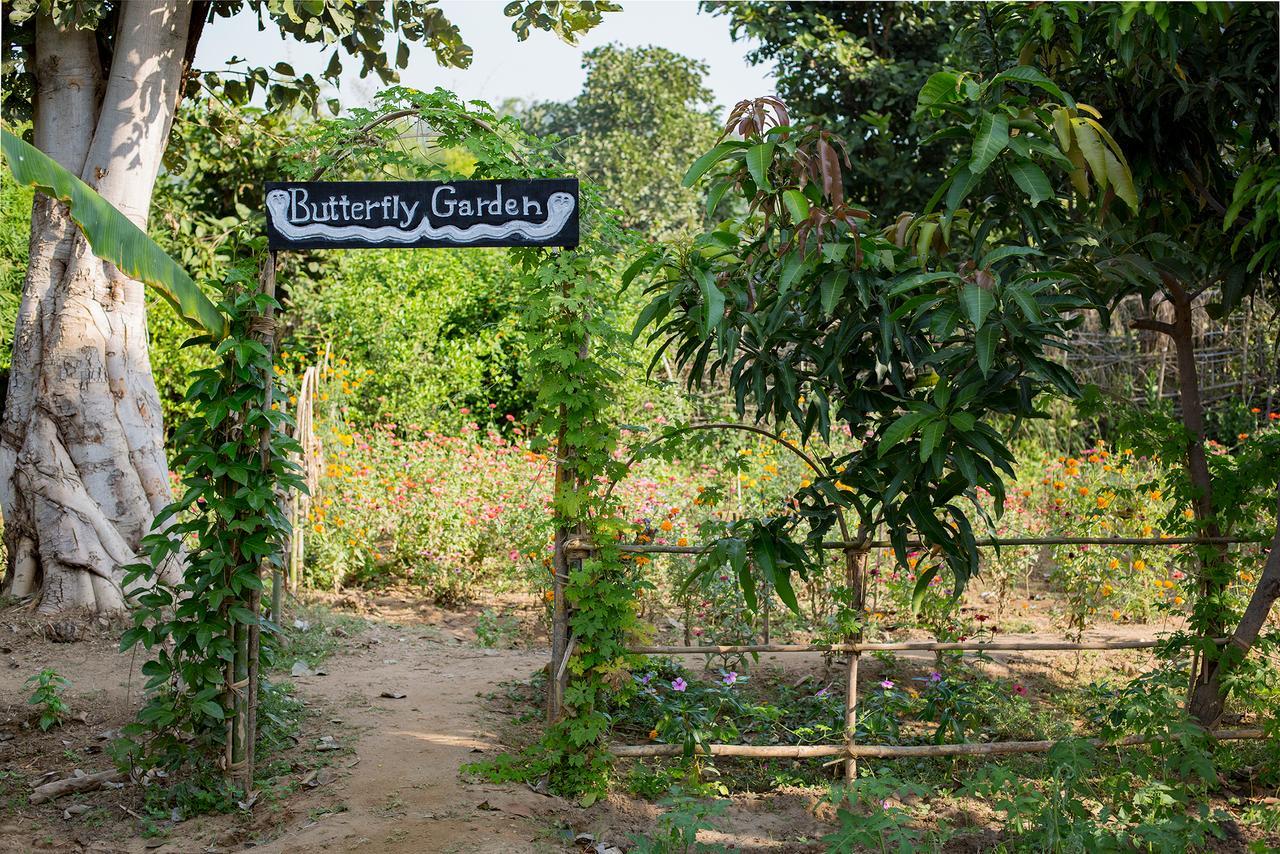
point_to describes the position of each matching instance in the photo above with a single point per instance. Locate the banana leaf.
(113, 236)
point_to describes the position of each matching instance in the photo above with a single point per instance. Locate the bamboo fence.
(849, 752)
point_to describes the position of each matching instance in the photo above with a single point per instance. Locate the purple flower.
(730, 677)
(679, 684)
(644, 680)
(823, 694)
(886, 684)
(935, 677)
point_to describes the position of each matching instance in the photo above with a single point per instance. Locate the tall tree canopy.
(641, 112)
(856, 68)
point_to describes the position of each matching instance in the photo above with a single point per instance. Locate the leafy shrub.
(48, 686)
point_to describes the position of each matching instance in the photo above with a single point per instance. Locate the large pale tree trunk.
(82, 464)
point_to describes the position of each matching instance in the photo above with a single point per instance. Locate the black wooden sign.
(357, 214)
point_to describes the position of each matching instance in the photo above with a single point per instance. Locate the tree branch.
(1150, 323)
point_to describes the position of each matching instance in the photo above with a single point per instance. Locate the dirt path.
(400, 790)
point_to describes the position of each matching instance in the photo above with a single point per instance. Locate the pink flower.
(886, 684)
(679, 684)
(1020, 689)
(730, 677)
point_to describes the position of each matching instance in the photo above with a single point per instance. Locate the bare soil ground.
(393, 783)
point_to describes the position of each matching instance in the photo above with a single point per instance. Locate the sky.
(543, 68)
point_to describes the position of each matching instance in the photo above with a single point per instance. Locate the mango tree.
(914, 334)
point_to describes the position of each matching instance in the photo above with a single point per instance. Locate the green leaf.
(759, 158)
(712, 300)
(1027, 74)
(963, 421)
(797, 204)
(942, 87)
(832, 286)
(1120, 179)
(916, 280)
(242, 615)
(922, 587)
(929, 438)
(1031, 179)
(962, 185)
(1091, 147)
(977, 302)
(985, 344)
(113, 236)
(992, 137)
(901, 429)
(706, 161)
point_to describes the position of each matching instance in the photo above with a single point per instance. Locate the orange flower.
(1255, 410)
(682, 542)
(1140, 565)
(666, 525)
(1242, 436)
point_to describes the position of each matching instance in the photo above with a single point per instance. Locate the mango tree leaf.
(1120, 179)
(797, 204)
(1031, 179)
(985, 346)
(1091, 147)
(978, 303)
(922, 587)
(941, 88)
(113, 236)
(712, 298)
(711, 158)
(901, 429)
(759, 158)
(992, 137)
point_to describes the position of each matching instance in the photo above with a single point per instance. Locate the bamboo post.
(855, 564)
(566, 478)
(263, 328)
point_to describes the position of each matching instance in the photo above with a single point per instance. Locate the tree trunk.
(1208, 697)
(82, 464)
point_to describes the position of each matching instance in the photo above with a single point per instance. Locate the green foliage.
(47, 687)
(815, 323)
(428, 333)
(232, 455)
(871, 816)
(113, 236)
(641, 112)
(15, 231)
(856, 69)
(364, 32)
(566, 18)
(683, 816)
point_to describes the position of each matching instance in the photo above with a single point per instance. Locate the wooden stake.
(855, 563)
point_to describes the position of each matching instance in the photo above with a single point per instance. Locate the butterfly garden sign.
(419, 214)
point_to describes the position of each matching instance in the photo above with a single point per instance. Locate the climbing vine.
(203, 627)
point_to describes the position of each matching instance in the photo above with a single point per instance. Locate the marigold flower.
(1140, 564)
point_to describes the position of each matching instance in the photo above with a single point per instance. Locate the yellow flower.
(1140, 565)
(1115, 564)
(1188, 513)
(1057, 484)
(1115, 615)
(1106, 590)
(805, 483)
(1177, 600)
(844, 487)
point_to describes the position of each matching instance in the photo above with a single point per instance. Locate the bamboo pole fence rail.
(896, 751)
